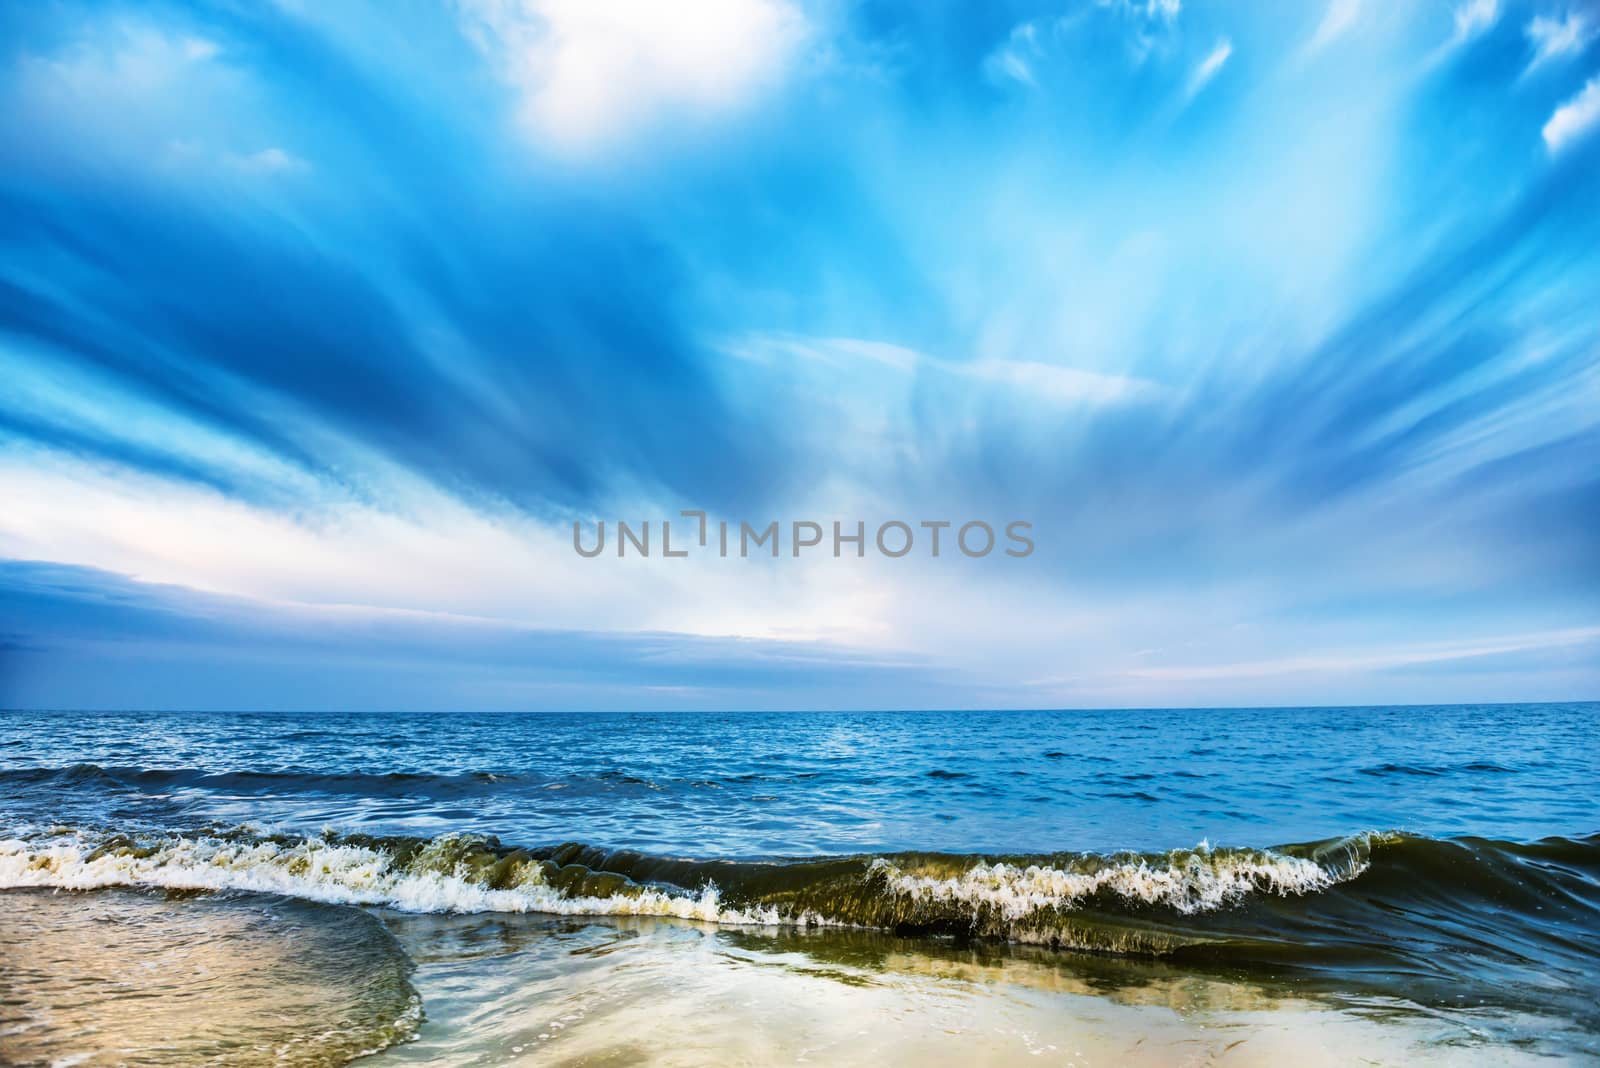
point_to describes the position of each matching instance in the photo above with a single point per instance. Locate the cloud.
(130, 84)
(591, 71)
(1337, 18)
(158, 102)
(1209, 67)
(1059, 384)
(1555, 38)
(96, 639)
(1153, 23)
(272, 160)
(391, 315)
(1473, 17)
(1196, 355)
(1153, 10)
(1574, 118)
(1024, 384)
(1406, 656)
(121, 61)
(1012, 60)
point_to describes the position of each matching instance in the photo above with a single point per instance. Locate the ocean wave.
(393, 784)
(1016, 898)
(1186, 881)
(269, 780)
(1436, 770)
(449, 874)
(1277, 904)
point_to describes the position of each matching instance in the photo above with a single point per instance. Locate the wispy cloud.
(1160, 10)
(1473, 17)
(1033, 381)
(272, 160)
(1562, 36)
(377, 357)
(1014, 60)
(1149, 24)
(1573, 119)
(1389, 659)
(1209, 67)
(1337, 19)
(101, 640)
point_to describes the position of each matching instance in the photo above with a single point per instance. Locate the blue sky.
(320, 325)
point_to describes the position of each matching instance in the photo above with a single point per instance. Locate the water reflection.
(136, 978)
(665, 992)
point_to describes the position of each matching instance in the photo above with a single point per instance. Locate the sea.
(1416, 884)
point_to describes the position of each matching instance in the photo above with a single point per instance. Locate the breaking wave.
(1044, 899)
(1386, 900)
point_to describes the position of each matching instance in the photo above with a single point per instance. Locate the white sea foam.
(346, 873)
(1190, 882)
(342, 874)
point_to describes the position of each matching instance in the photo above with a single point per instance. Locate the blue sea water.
(1436, 864)
(818, 783)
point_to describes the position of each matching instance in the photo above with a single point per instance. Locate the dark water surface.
(1441, 862)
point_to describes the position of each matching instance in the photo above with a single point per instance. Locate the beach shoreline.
(537, 989)
(775, 888)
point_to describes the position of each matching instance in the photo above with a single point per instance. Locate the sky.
(321, 325)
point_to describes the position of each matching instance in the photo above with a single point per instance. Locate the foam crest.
(317, 869)
(1188, 882)
(1064, 899)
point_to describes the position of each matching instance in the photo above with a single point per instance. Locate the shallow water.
(139, 978)
(515, 989)
(1416, 884)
